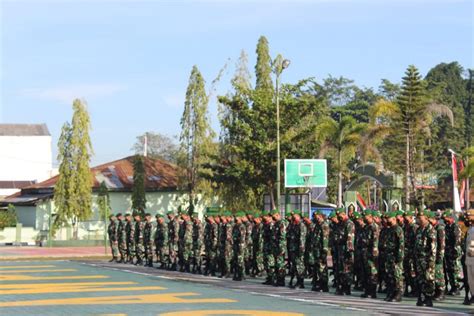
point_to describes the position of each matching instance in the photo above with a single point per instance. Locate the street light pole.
(280, 65)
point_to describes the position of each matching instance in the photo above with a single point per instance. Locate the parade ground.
(96, 287)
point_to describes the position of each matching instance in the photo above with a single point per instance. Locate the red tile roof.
(118, 175)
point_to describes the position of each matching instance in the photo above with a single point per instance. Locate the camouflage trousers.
(297, 265)
(381, 267)
(224, 260)
(409, 271)
(173, 252)
(309, 262)
(370, 274)
(211, 259)
(359, 268)
(114, 248)
(257, 262)
(122, 247)
(453, 270)
(425, 277)
(238, 260)
(161, 252)
(130, 249)
(440, 281)
(280, 267)
(320, 270)
(197, 258)
(335, 265)
(345, 268)
(139, 250)
(148, 251)
(185, 253)
(394, 274)
(269, 264)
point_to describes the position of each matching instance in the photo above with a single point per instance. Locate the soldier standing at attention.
(360, 246)
(238, 245)
(257, 246)
(130, 230)
(279, 248)
(394, 252)
(173, 238)
(345, 253)
(161, 241)
(370, 255)
(453, 252)
(139, 247)
(210, 244)
(320, 250)
(409, 258)
(382, 253)
(198, 236)
(148, 240)
(113, 240)
(308, 249)
(248, 253)
(122, 238)
(425, 249)
(440, 283)
(268, 236)
(297, 249)
(185, 242)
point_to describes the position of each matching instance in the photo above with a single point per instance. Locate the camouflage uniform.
(268, 236)
(308, 249)
(198, 234)
(210, 247)
(370, 255)
(346, 256)
(334, 237)
(161, 243)
(320, 249)
(173, 238)
(139, 246)
(248, 251)
(440, 283)
(425, 249)
(185, 246)
(409, 259)
(238, 245)
(122, 240)
(394, 253)
(226, 249)
(297, 240)
(148, 243)
(130, 230)
(112, 232)
(382, 254)
(360, 245)
(279, 249)
(257, 249)
(453, 253)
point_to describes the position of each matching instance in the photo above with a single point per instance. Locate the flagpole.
(456, 200)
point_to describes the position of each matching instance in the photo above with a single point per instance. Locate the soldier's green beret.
(332, 214)
(305, 215)
(296, 212)
(257, 213)
(447, 213)
(195, 214)
(128, 214)
(159, 215)
(169, 212)
(377, 213)
(391, 214)
(111, 215)
(356, 215)
(118, 214)
(409, 213)
(274, 212)
(432, 214)
(368, 213)
(340, 210)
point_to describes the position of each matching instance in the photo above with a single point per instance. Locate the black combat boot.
(397, 297)
(301, 282)
(114, 259)
(454, 291)
(366, 293)
(419, 302)
(280, 281)
(268, 281)
(389, 295)
(316, 288)
(291, 286)
(439, 295)
(339, 290)
(428, 301)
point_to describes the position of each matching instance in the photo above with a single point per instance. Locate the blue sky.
(130, 60)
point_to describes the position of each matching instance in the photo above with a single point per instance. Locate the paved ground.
(100, 288)
(55, 253)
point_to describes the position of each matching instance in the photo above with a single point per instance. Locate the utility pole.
(468, 116)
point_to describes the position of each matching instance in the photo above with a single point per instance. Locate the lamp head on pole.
(285, 63)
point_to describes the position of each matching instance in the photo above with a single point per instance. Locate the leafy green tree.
(74, 186)
(340, 140)
(159, 146)
(196, 140)
(103, 201)
(8, 218)
(138, 192)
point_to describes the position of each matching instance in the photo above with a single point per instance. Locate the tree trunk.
(339, 181)
(407, 174)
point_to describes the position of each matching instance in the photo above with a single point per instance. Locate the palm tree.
(409, 117)
(342, 140)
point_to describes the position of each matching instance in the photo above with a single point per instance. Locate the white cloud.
(66, 94)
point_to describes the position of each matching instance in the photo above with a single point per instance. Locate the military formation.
(397, 253)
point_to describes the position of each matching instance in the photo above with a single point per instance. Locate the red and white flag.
(463, 185)
(456, 199)
(361, 201)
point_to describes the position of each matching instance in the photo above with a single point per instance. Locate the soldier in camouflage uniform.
(130, 230)
(370, 254)
(210, 245)
(394, 252)
(185, 246)
(161, 241)
(139, 247)
(198, 238)
(384, 228)
(425, 249)
(308, 249)
(113, 240)
(440, 283)
(248, 253)
(122, 238)
(345, 249)
(360, 245)
(268, 236)
(409, 230)
(239, 232)
(453, 252)
(320, 248)
(225, 240)
(173, 238)
(279, 248)
(297, 240)
(257, 246)
(148, 241)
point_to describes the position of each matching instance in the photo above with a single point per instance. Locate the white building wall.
(26, 158)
